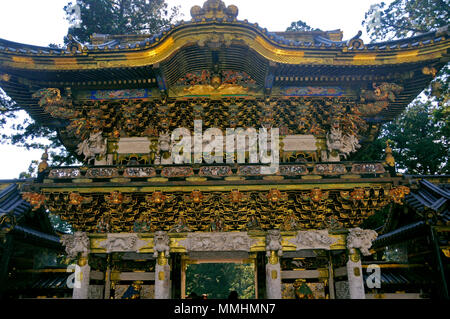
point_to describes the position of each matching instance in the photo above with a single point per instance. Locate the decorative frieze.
(102, 172)
(329, 169)
(64, 173)
(219, 241)
(139, 172)
(122, 243)
(368, 168)
(313, 239)
(175, 171)
(215, 171)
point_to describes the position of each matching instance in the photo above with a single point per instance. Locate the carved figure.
(93, 146)
(273, 242)
(76, 243)
(161, 243)
(362, 239)
(343, 144)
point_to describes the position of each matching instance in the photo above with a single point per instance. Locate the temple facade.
(219, 141)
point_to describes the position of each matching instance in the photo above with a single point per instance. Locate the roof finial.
(43, 165)
(214, 9)
(389, 158)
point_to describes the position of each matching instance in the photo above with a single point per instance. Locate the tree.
(300, 26)
(420, 135)
(118, 17)
(405, 18)
(417, 141)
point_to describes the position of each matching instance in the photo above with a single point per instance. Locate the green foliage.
(417, 141)
(377, 220)
(59, 225)
(118, 17)
(218, 280)
(405, 18)
(300, 26)
(420, 135)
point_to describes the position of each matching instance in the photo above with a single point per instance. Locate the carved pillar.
(273, 276)
(358, 240)
(274, 250)
(82, 276)
(162, 277)
(77, 245)
(355, 275)
(162, 268)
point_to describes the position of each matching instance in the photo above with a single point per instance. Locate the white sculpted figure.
(76, 243)
(161, 243)
(93, 146)
(343, 144)
(362, 239)
(121, 244)
(273, 242)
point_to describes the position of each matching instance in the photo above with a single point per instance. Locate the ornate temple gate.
(139, 213)
(163, 253)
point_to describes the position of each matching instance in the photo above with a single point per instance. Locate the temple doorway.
(217, 278)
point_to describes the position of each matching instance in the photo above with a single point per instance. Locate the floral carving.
(398, 194)
(116, 198)
(36, 200)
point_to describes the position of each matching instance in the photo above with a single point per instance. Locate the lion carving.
(273, 242)
(362, 239)
(76, 243)
(162, 242)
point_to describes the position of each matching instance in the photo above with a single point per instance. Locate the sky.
(41, 22)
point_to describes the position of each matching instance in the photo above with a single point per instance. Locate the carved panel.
(313, 239)
(232, 241)
(122, 243)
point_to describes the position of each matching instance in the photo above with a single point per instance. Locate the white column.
(82, 276)
(355, 275)
(273, 276)
(162, 277)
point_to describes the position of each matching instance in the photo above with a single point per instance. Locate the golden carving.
(356, 271)
(214, 9)
(161, 275)
(354, 255)
(35, 199)
(398, 194)
(5, 77)
(43, 165)
(82, 261)
(162, 259)
(389, 160)
(273, 258)
(274, 274)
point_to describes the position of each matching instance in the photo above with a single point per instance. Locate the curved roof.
(214, 38)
